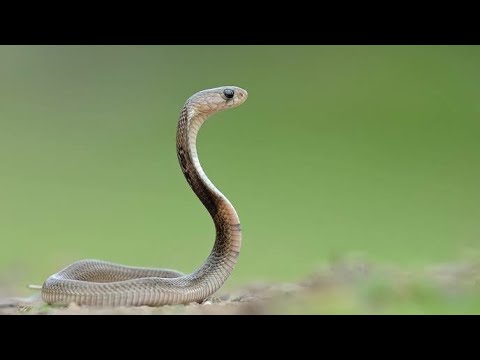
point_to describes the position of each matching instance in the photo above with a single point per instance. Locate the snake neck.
(227, 224)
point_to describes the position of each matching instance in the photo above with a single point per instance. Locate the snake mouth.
(240, 96)
(243, 94)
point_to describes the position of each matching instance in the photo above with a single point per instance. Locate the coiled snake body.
(100, 283)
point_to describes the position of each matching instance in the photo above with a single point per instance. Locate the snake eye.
(228, 93)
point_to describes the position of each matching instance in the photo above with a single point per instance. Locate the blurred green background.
(339, 149)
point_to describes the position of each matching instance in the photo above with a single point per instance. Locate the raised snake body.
(100, 283)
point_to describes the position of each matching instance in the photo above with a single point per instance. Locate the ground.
(344, 287)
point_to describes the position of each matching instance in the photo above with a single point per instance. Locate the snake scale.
(101, 283)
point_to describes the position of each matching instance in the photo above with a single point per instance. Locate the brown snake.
(101, 283)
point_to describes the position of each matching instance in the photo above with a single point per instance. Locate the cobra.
(101, 283)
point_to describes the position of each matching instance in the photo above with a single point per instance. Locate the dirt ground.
(344, 287)
(252, 300)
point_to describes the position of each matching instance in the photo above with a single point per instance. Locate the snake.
(101, 283)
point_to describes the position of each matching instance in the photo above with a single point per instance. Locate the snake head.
(217, 99)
